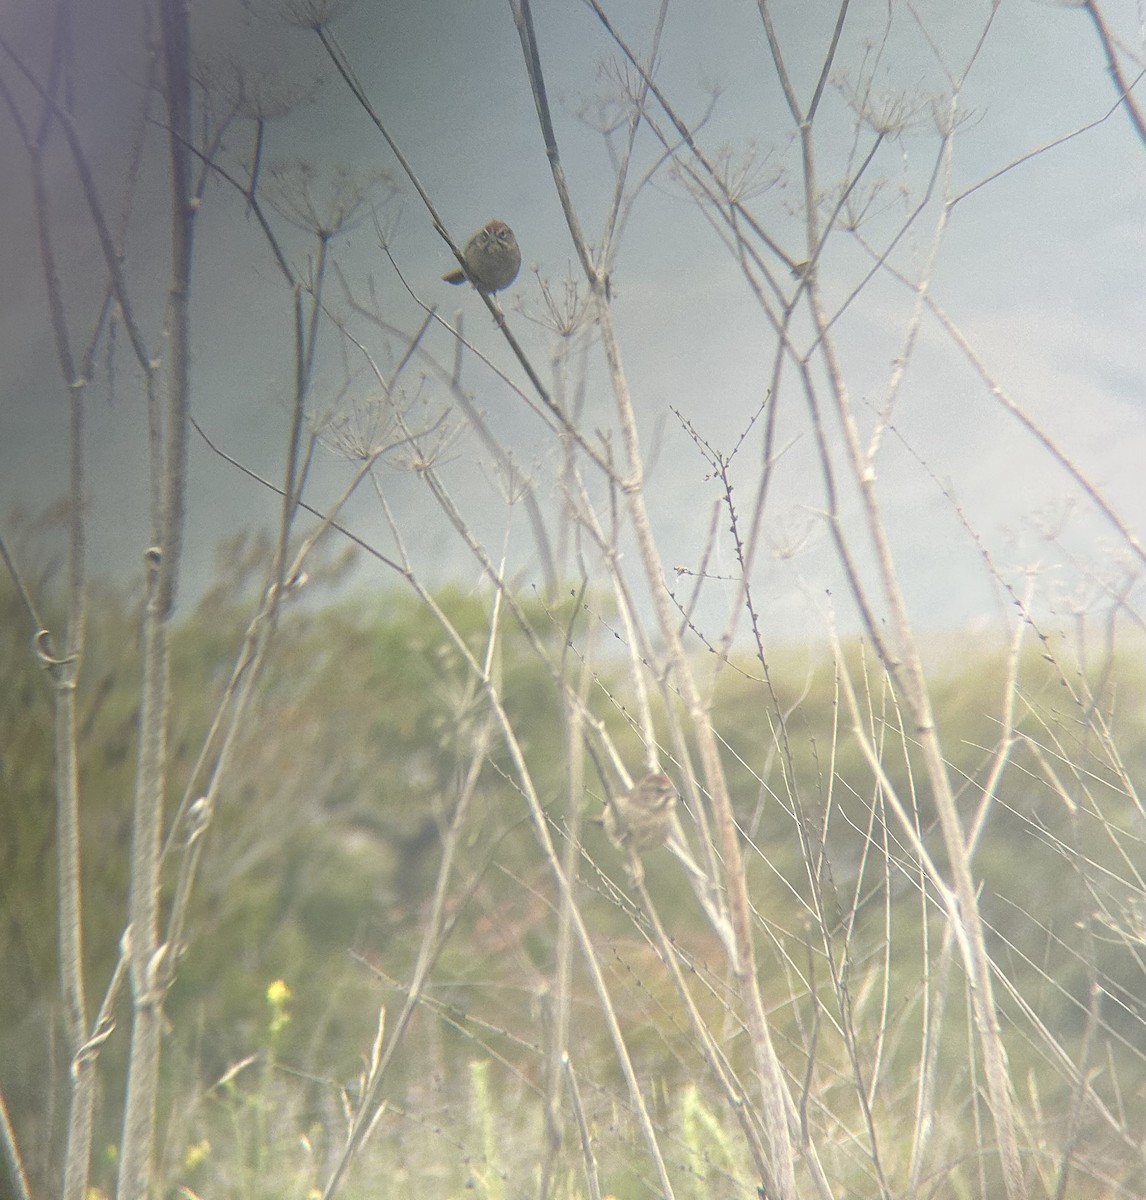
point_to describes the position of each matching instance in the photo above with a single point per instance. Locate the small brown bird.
(641, 819)
(492, 259)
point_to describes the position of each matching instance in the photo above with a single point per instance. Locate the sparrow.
(641, 818)
(492, 259)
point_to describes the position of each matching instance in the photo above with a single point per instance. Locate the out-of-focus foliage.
(328, 832)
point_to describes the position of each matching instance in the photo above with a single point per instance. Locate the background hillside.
(321, 867)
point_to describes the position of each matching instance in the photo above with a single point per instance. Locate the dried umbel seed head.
(492, 259)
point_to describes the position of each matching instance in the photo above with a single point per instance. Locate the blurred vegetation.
(327, 839)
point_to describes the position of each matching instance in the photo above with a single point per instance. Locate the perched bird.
(641, 819)
(492, 259)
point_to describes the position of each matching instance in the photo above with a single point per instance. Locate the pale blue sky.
(1043, 269)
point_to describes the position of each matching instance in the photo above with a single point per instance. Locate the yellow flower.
(278, 993)
(195, 1154)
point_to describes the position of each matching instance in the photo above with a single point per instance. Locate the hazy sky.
(1043, 269)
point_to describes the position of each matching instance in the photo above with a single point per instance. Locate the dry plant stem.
(523, 19)
(1074, 1073)
(457, 333)
(78, 1141)
(108, 248)
(229, 719)
(505, 462)
(305, 340)
(721, 1068)
(433, 937)
(452, 380)
(475, 547)
(16, 1172)
(558, 1049)
(64, 674)
(711, 897)
(686, 135)
(967, 929)
(1039, 752)
(731, 209)
(145, 954)
(1043, 438)
(1079, 1101)
(606, 544)
(247, 655)
(587, 1156)
(342, 64)
(568, 429)
(906, 669)
(136, 1166)
(936, 988)
(838, 971)
(886, 858)
(776, 1101)
(228, 715)
(774, 1095)
(541, 825)
(253, 206)
(1032, 427)
(1007, 737)
(636, 673)
(614, 219)
(914, 320)
(702, 885)
(70, 917)
(804, 124)
(1096, 723)
(1125, 86)
(733, 213)
(347, 533)
(176, 50)
(865, 1089)
(702, 882)
(83, 1044)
